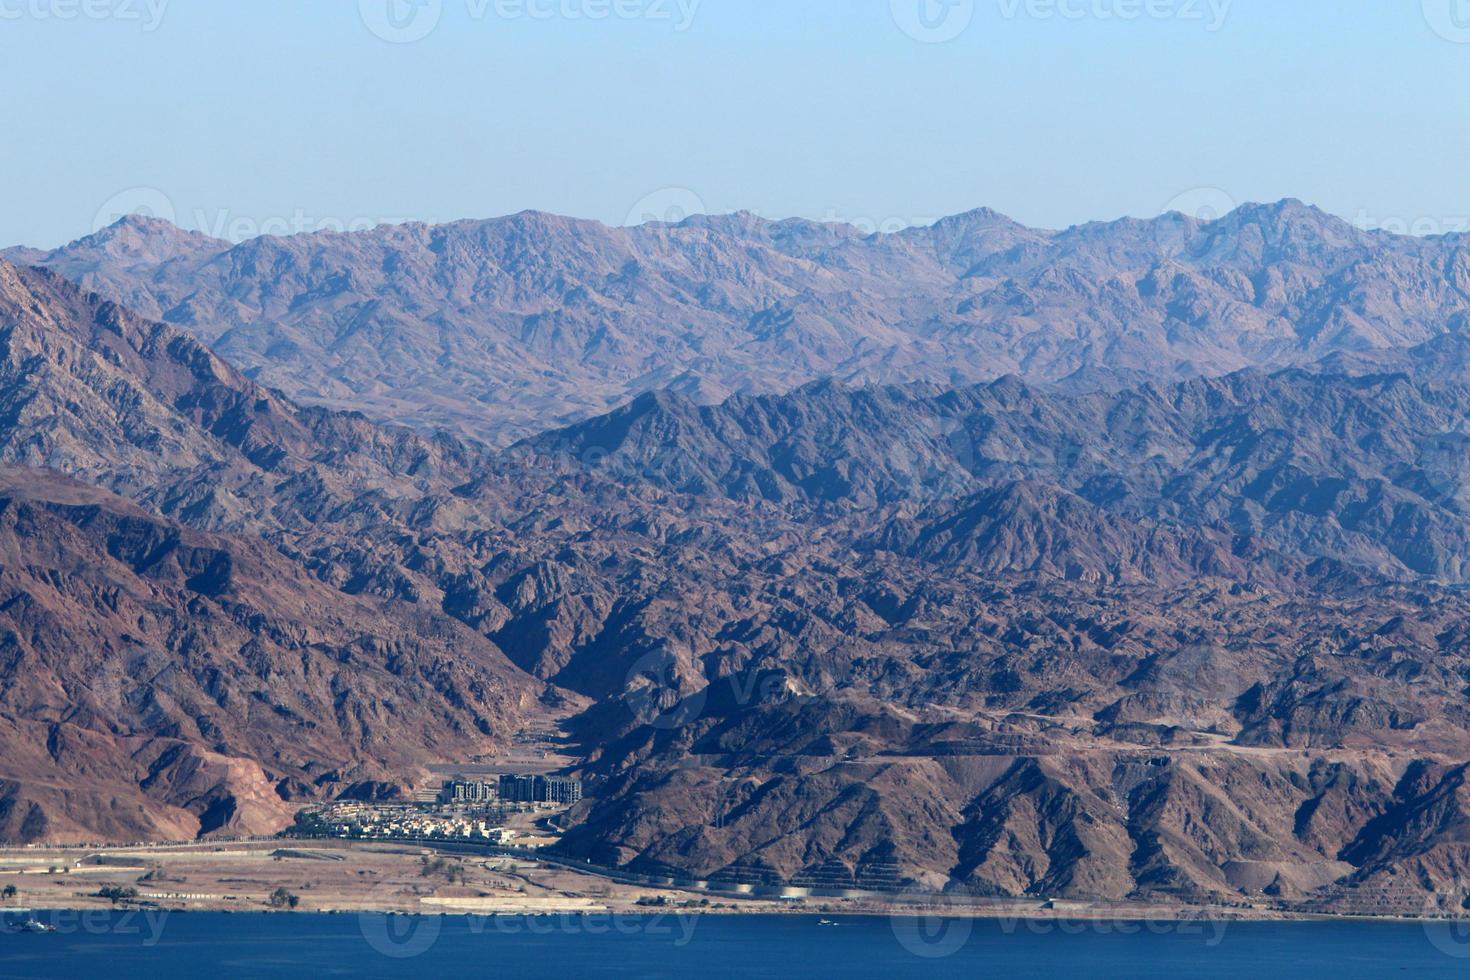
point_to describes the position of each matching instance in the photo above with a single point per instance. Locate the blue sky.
(239, 117)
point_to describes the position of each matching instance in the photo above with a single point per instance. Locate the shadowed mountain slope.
(1201, 640)
(161, 681)
(500, 328)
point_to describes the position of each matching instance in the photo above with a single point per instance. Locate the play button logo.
(401, 21)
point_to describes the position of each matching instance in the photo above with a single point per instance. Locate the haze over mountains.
(1140, 574)
(497, 329)
(147, 665)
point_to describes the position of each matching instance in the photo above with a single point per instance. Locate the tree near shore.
(115, 894)
(282, 899)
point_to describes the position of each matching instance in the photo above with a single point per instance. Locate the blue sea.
(161, 946)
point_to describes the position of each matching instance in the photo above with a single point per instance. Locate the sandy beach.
(358, 877)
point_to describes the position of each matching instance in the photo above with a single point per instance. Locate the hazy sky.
(246, 115)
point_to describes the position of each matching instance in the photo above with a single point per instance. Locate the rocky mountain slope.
(161, 681)
(497, 329)
(1201, 639)
(1371, 470)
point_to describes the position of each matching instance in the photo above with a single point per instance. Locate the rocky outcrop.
(498, 329)
(1201, 640)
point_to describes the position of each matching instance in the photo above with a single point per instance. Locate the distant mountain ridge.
(1173, 639)
(1372, 470)
(170, 662)
(501, 328)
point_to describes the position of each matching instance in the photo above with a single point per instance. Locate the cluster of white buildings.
(361, 820)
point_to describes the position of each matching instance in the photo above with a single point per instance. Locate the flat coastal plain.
(358, 877)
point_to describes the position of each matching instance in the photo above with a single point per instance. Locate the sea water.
(163, 946)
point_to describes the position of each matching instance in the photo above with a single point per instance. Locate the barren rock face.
(161, 681)
(498, 329)
(1200, 638)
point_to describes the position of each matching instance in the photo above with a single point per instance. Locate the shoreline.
(1302, 918)
(334, 877)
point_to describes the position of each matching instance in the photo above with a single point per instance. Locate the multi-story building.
(471, 792)
(518, 789)
(540, 789)
(559, 789)
(513, 789)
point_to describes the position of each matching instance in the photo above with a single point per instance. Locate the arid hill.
(499, 329)
(159, 680)
(1202, 638)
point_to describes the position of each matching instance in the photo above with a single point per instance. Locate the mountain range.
(497, 329)
(1127, 561)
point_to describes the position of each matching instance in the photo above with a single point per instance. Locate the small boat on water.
(827, 922)
(11, 921)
